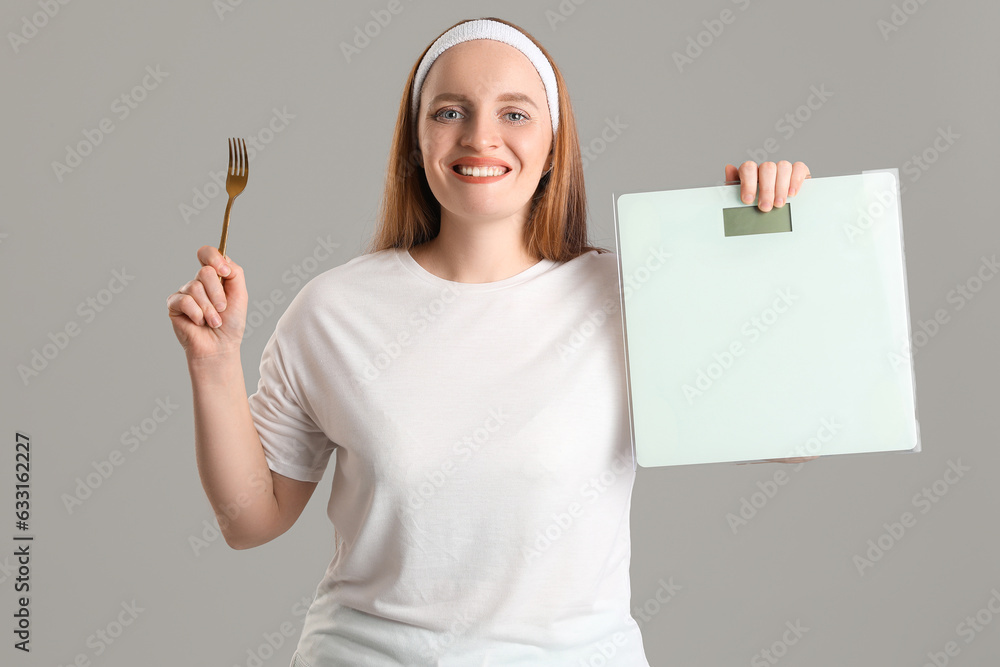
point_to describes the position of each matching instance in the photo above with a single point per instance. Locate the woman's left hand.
(778, 181)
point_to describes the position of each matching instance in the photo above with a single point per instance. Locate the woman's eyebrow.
(503, 97)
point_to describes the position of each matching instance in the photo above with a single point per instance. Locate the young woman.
(482, 482)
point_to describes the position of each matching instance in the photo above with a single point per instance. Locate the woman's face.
(483, 102)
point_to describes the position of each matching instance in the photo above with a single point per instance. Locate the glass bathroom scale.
(753, 336)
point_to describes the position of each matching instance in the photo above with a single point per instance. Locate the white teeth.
(481, 171)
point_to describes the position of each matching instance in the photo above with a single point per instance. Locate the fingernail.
(215, 321)
(778, 203)
(791, 192)
(747, 199)
(224, 271)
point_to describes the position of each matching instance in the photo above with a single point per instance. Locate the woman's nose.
(481, 132)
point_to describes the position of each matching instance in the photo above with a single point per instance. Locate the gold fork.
(236, 180)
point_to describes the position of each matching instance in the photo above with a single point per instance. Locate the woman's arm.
(253, 504)
(230, 457)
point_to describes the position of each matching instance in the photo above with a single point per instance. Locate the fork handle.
(225, 230)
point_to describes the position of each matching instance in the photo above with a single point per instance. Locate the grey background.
(321, 177)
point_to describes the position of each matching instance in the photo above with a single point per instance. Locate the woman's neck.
(475, 253)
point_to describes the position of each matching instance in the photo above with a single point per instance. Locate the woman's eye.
(516, 117)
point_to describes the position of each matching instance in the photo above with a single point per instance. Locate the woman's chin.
(481, 208)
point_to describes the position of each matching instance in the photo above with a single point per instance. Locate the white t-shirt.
(483, 471)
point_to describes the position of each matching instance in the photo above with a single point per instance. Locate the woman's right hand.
(209, 316)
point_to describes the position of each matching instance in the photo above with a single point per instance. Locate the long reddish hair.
(556, 228)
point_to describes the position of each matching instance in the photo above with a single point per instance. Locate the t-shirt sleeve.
(294, 445)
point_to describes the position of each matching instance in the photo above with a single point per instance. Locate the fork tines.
(237, 157)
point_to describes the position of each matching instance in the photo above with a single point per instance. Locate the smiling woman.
(483, 475)
(468, 372)
(485, 102)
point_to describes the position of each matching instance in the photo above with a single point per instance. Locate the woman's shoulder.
(599, 265)
(345, 283)
(358, 271)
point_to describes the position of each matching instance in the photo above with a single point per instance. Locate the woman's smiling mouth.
(466, 170)
(479, 169)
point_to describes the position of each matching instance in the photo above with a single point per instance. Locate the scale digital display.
(743, 220)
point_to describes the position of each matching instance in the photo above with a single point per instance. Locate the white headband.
(498, 32)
